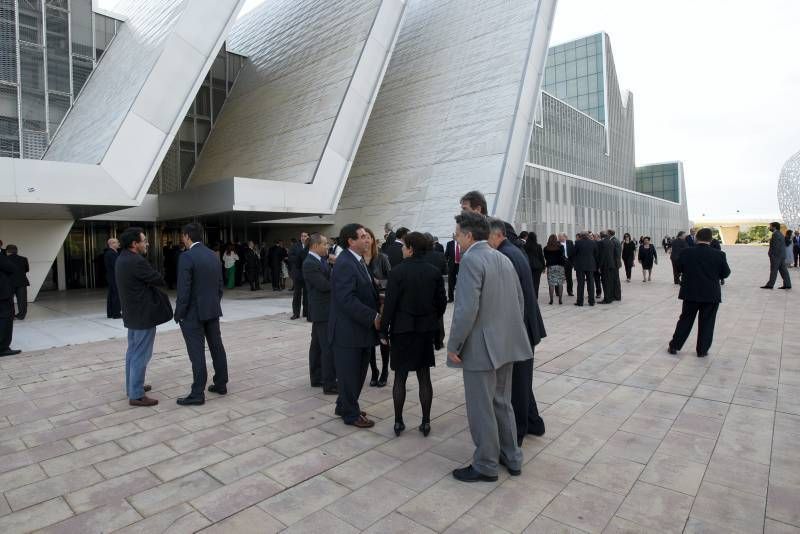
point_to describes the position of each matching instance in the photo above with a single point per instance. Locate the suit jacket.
(690, 241)
(318, 285)
(276, 255)
(135, 278)
(354, 304)
(415, 298)
(679, 244)
(605, 255)
(7, 270)
(199, 285)
(585, 255)
(535, 256)
(569, 252)
(437, 259)
(488, 329)
(438, 247)
(395, 253)
(702, 267)
(534, 324)
(617, 252)
(777, 246)
(110, 257)
(21, 267)
(297, 255)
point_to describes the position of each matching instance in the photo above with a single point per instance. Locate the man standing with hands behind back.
(353, 322)
(197, 311)
(487, 336)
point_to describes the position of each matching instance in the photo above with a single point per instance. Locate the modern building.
(581, 171)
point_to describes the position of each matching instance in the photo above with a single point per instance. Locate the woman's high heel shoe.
(374, 381)
(399, 426)
(382, 379)
(425, 428)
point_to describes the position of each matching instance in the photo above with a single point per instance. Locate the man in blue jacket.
(198, 310)
(353, 322)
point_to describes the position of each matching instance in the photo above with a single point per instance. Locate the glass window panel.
(202, 102)
(103, 33)
(580, 50)
(217, 102)
(561, 73)
(569, 54)
(203, 128)
(34, 144)
(218, 71)
(572, 70)
(57, 51)
(30, 21)
(81, 15)
(9, 122)
(58, 107)
(572, 88)
(32, 87)
(8, 43)
(583, 85)
(81, 68)
(582, 67)
(187, 164)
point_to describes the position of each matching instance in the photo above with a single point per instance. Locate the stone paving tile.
(675, 441)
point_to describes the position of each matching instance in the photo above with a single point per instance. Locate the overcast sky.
(716, 83)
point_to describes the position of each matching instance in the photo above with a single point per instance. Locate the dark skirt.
(412, 351)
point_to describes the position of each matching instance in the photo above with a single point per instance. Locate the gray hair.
(497, 225)
(473, 223)
(314, 239)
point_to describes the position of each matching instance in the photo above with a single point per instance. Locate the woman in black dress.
(379, 266)
(536, 259)
(628, 255)
(415, 300)
(647, 257)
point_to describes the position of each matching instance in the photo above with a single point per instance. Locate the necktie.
(366, 269)
(458, 254)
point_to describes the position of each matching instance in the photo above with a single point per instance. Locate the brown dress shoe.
(144, 401)
(363, 422)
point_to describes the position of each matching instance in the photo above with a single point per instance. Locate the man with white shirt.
(353, 322)
(569, 250)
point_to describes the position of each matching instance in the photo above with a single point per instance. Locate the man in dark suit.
(679, 244)
(606, 266)
(523, 400)
(584, 259)
(690, 239)
(452, 254)
(436, 245)
(136, 280)
(395, 249)
(701, 268)
(19, 280)
(297, 255)
(7, 270)
(777, 259)
(437, 259)
(388, 237)
(275, 258)
(317, 276)
(616, 293)
(569, 247)
(197, 311)
(110, 256)
(352, 322)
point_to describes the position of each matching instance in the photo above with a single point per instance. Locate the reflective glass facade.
(48, 49)
(661, 180)
(574, 74)
(182, 155)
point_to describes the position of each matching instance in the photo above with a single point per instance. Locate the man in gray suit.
(777, 259)
(487, 336)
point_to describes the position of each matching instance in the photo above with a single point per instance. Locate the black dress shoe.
(399, 426)
(785, 287)
(766, 287)
(293, 317)
(536, 429)
(579, 304)
(425, 428)
(330, 391)
(314, 385)
(702, 354)
(191, 401)
(672, 350)
(373, 383)
(219, 390)
(512, 472)
(570, 294)
(10, 352)
(382, 380)
(468, 474)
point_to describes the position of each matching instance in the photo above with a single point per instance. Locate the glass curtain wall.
(661, 180)
(574, 74)
(48, 48)
(182, 155)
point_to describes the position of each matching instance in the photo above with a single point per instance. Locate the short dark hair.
(775, 225)
(704, 234)
(476, 200)
(418, 243)
(194, 230)
(497, 225)
(314, 239)
(349, 231)
(401, 232)
(681, 233)
(12, 249)
(612, 233)
(523, 234)
(474, 223)
(131, 235)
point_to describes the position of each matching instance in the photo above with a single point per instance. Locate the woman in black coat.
(647, 257)
(415, 300)
(536, 259)
(628, 255)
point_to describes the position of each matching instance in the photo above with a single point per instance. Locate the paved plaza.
(637, 440)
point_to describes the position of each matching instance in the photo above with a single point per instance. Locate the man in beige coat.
(487, 336)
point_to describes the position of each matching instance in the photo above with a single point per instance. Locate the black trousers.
(568, 275)
(537, 278)
(608, 284)
(526, 413)
(452, 276)
(598, 283)
(585, 278)
(676, 276)
(351, 370)
(707, 312)
(778, 266)
(21, 293)
(195, 333)
(320, 357)
(299, 296)
(276, 276)
(796, 253)
(113, 306)
(628, 268)
(616, 292)
(6, 323)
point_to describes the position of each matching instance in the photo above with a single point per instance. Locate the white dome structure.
(789, 192)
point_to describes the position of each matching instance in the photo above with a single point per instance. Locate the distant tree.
(759, 234)
(743, 238)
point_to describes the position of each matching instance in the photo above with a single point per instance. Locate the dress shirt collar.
(476, 243)
(193, 244)
(358, 256)
(317, 256)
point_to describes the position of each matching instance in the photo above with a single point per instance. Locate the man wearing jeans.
(135, 277)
